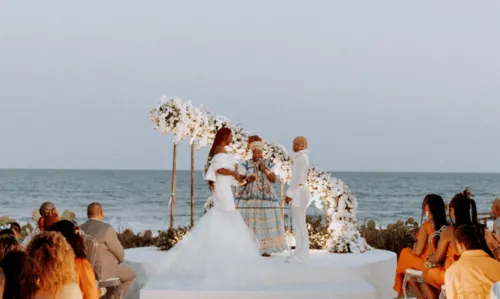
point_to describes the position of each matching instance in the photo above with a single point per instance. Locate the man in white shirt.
(298, 195)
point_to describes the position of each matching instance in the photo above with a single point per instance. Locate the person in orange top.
(473, 275)
(85, 273)
(460, 208)
(433, 208)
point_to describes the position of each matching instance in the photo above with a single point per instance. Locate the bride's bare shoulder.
(220, 150)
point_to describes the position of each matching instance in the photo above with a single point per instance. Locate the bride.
(220, 247)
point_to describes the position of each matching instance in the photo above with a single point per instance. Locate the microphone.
(258, 162)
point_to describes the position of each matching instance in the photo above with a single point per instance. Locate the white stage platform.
(368, 275)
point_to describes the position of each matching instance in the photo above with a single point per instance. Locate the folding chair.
(92, 245)
(442, 294)
(417, 274)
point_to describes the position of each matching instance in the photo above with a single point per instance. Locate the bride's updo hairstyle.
(220, 137)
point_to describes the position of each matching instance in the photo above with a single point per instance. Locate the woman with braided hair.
(462, 211)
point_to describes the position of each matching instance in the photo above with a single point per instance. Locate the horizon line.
(328, 171)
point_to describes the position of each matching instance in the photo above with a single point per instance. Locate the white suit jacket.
(300, 168)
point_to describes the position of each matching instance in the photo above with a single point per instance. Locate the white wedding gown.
(220, 249)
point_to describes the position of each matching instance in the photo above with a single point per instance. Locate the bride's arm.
(224, 171)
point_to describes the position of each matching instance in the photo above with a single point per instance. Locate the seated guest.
(85, 273)
(16, 229)
(55, 263)
(20, 277)
(460, 208)
(48, 216)
(495, 212)
(8, 243)
(434, 210)
(473, 275)
(493, 238)
(110, 253)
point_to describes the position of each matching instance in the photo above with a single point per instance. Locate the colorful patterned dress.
(260, 208)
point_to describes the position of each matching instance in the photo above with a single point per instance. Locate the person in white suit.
(297, 195)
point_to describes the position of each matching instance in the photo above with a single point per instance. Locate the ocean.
(139, 199)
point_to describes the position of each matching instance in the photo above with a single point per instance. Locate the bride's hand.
(236, 175)
(251, 178)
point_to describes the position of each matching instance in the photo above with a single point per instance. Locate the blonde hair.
(496, 202)
(301, 140)
(55, 260)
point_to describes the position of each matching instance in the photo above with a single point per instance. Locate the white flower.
(208, 204)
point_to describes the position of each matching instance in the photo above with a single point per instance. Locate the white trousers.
(299, 223)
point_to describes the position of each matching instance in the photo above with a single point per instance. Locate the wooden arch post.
(192, 184)
(236, 187)
(327, 214)
(282, 198)
(172, 196)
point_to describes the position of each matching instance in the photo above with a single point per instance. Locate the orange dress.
(435, 276)
(86, 279)
(408, 260)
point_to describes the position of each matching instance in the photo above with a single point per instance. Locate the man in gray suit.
(110, 253)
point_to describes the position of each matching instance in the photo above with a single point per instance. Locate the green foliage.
(26, 229)
(167, 239)
(394, 237)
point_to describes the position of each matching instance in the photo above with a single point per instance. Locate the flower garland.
(184, 120)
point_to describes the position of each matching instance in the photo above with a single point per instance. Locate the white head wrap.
(257, 145)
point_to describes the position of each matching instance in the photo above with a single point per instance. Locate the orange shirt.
(472, 276)
(86, 279)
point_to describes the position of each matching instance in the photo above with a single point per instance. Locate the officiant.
(258, 203)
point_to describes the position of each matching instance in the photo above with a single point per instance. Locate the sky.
(374, 85)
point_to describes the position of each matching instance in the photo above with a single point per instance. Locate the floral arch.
(184, 120)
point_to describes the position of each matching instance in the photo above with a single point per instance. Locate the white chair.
(411, 274)
(495, 291)
(442, 294)
(92, 244)
(417, 274)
